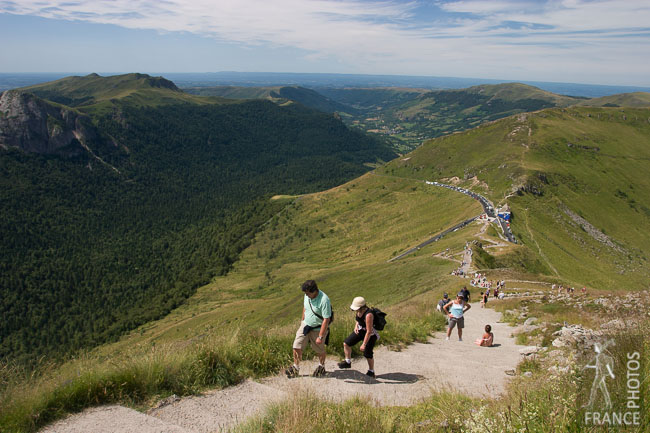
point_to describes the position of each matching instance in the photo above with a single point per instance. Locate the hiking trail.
(403, 378)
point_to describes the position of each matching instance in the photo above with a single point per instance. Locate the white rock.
(530, 321)
(559, 342)
(529, 350)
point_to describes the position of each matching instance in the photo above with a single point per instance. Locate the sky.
(578, 41)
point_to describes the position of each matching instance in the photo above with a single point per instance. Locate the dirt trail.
(403, 378)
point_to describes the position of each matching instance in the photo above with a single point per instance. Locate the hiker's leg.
(319, 349)
(352, 340)
(460, 332)
(299, 344)
(450, 327)
(297, 356)
(368, 352)
(347, 350)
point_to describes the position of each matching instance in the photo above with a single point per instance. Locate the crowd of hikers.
(317, 315)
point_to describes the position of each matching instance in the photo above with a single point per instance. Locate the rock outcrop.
(36, 126)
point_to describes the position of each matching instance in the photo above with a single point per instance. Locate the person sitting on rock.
(364, 332)
(488, 338)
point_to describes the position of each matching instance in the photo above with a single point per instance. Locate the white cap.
(357, 303)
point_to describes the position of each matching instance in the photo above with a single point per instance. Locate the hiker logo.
(604, 367)
(628, 411)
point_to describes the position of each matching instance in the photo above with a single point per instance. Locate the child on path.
(488, 338)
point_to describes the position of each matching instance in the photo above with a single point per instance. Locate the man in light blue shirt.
(314, 328)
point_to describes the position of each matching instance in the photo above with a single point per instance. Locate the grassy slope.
(636, 99)
(278, 94)
(337, 238)
(588, 160)
(234, 92)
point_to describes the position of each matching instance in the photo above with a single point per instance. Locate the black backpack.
(379, 321)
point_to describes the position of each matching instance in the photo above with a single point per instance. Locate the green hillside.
(94, 93)
(637, 99)
(371, 98)
(97, 243)
(573, 178)
(409, 117)
(279, 94)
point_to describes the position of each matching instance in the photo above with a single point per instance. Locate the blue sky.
(583, 41)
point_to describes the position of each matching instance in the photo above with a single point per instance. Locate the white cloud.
(554, 40)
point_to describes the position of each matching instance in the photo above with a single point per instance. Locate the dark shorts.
(357, 338)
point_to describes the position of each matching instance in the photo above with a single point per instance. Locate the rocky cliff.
(36, 126)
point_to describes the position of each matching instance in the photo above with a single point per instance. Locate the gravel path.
(403, 378)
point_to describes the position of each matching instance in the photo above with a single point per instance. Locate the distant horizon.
(11, 80)
(162, 74)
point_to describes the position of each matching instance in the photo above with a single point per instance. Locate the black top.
(362, 320)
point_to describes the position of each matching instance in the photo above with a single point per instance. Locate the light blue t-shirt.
(320, 305)
(456, 310)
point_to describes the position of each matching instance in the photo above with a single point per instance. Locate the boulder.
(530, 321)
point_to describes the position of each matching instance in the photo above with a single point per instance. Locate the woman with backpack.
(364, 332)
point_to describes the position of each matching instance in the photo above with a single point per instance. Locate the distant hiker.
(465, 294)
(496, 293)
(444, 301)
(455, 310)
(314, 328)
(364, 332)
(488, 338)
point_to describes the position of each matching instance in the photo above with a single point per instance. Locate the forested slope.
(91, 250)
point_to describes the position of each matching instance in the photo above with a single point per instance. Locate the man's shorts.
(300, 341)
(460, 321)
(355, 338)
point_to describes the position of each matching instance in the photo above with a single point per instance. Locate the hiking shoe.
(345, 364)
(370, 373)
(319, 372)
(292, 372)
